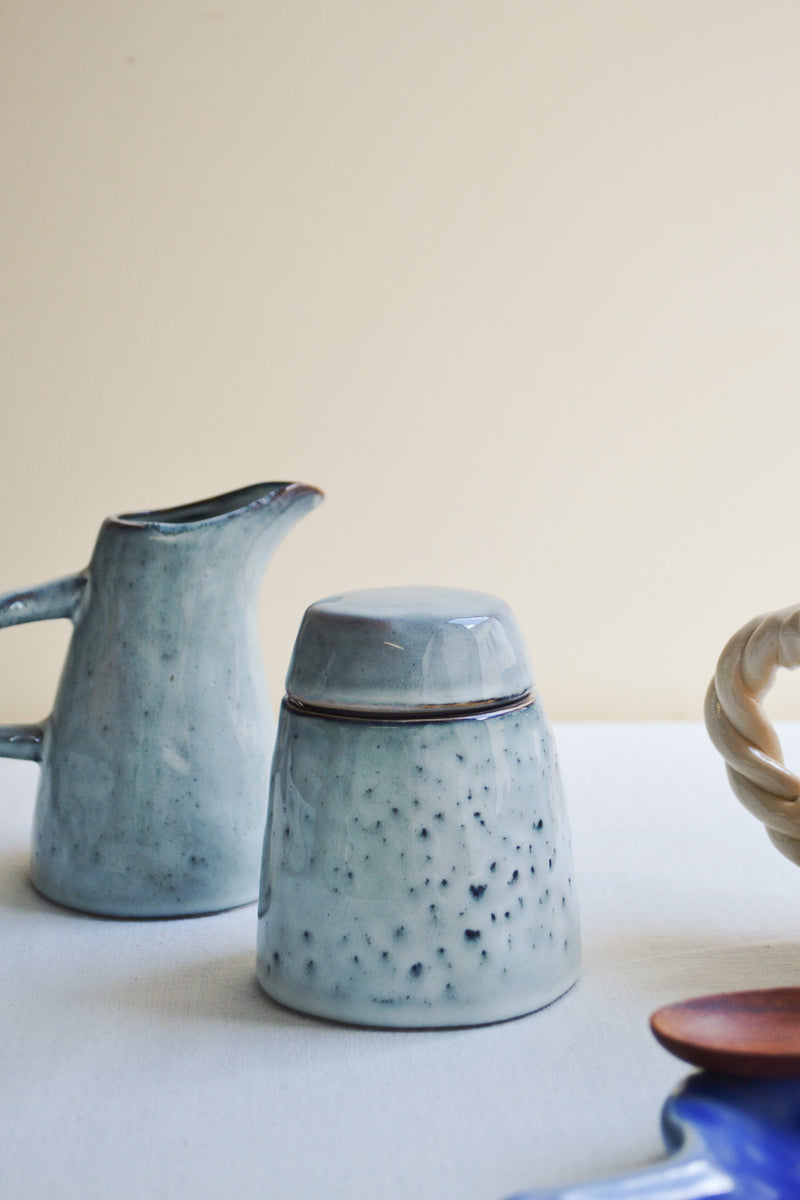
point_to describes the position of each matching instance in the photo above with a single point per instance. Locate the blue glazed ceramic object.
(417, 865)
(728, 1138)
(155, 759)
(349, 653)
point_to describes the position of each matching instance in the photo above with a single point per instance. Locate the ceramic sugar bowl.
(417, 863)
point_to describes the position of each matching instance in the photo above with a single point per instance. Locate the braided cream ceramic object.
(741, 730)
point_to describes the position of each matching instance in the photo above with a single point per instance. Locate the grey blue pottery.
(155, 759)
(417, 864)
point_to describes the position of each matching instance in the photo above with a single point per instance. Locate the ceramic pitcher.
(155, 759)
(741, 730)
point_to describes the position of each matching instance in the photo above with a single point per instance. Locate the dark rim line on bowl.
(434, 712)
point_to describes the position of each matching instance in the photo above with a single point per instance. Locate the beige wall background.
(517, 283)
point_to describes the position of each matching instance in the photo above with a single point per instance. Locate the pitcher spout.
(256, 518)
(202, 546)
(283, 504)
(273, 499)
(274, 511)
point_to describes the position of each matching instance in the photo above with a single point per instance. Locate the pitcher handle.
(47, 602)
(742, 732)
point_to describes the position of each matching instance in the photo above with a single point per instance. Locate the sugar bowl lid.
(408, 649)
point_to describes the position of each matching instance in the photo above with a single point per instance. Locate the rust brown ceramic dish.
(755, 1033)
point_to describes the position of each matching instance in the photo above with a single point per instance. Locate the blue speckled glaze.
(155, 760)
(730, 1139)
(401, 648)
(417, 873)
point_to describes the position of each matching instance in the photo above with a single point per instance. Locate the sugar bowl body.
(417, 864)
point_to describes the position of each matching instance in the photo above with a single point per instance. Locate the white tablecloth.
(140, 1059)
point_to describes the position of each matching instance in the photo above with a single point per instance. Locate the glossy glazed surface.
(408, 648)
(417, 873)
(742, 732)
(155, 760)
(729, 1139)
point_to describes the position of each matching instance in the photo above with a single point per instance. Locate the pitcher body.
(155, 759)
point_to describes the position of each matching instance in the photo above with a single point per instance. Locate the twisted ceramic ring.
(742, 732)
